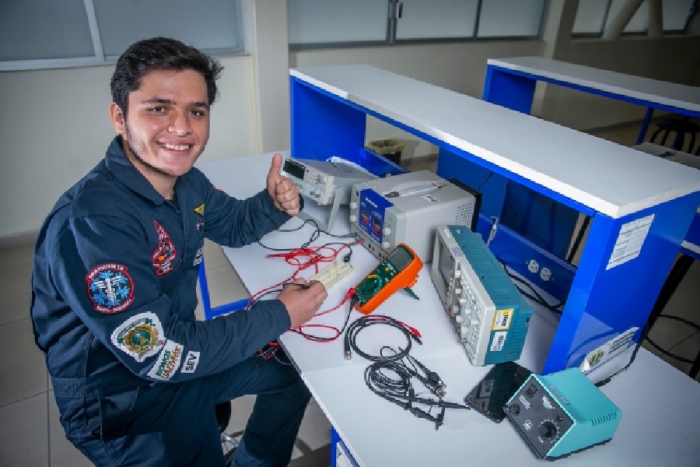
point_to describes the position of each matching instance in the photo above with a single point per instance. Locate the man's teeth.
(176, 147)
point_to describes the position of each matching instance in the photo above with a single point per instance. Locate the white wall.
(54, 128)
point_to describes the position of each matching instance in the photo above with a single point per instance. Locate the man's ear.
(118, 118)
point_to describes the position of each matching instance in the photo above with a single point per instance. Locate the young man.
(135, 376)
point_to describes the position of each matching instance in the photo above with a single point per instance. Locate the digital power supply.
(326, 182)
(406, 208)
(488, 312)
(562, 413)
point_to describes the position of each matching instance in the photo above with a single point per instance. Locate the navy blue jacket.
(115, 271)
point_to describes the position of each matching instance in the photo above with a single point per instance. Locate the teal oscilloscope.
(488, 312)
(562, 413)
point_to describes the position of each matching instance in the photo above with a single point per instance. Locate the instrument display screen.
(294, 169)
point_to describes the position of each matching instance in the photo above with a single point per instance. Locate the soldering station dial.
(549, 430)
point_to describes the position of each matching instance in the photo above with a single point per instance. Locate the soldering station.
(417, 218)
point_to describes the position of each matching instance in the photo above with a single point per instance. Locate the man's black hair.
(160, 53)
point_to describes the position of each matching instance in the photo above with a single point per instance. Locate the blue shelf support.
(604, 302)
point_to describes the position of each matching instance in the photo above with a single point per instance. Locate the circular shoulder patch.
(110, 288)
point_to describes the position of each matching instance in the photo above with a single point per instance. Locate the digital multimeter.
(399, 270)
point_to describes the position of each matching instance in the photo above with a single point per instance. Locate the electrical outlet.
(533, 267)
(545, 274)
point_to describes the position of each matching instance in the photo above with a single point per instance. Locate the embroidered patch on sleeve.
(164, 255)
(168, 362)
(191, 362)
(139, 336)
(110, 288)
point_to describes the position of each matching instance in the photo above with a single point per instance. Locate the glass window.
(210, 25)
(44, 29)
(510, 18)
(675, 14)
(437, 19)
(589, 17)
(332, 21)
(637, 24)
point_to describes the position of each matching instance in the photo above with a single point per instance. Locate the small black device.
(491, 395)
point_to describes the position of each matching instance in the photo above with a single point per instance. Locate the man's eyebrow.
(157, 100)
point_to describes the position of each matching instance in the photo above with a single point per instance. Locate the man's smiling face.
(167, 123)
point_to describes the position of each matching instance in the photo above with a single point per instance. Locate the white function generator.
(488, 312)
(326, 182)
(407, 208)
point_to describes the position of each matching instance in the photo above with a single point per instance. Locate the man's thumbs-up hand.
(282, 190)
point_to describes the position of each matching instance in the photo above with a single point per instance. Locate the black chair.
(681, 127)
(223, 417)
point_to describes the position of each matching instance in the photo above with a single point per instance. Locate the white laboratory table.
(661, 417)
(645, 91)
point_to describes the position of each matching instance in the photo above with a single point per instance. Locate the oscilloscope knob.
(353, 218)
(353, 205)
(386, 245)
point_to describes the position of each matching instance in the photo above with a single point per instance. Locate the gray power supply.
(407, 208)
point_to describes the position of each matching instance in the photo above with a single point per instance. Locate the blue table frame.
(515, 90)
(601, 302)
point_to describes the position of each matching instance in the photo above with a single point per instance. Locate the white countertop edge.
(600, 86)
(317, 83)
(329, 416)
(690, 246)
(593, 202)
(597, 204)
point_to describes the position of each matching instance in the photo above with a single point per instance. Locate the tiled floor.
(30, 434)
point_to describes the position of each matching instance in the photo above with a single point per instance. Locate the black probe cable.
(367, 321)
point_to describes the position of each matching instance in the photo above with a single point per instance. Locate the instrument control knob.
(385, 245)
(459, 318)
(548, 429)
(386, 231)
(353, 218)
(353, 205)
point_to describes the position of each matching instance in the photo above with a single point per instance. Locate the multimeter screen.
(294, 169)
(400, 258)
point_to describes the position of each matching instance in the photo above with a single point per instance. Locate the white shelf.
(606, 177)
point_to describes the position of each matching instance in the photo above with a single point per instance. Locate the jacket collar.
(124, 171)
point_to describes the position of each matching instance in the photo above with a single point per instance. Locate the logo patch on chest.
(110, 288)
(163, 257)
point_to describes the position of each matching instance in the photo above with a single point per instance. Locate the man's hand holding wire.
(302, 300)
(282, 190)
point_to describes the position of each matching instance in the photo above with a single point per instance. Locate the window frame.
(391, 40)
(666, 32)
(100, 59)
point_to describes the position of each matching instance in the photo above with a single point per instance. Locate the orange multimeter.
(399, 270)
